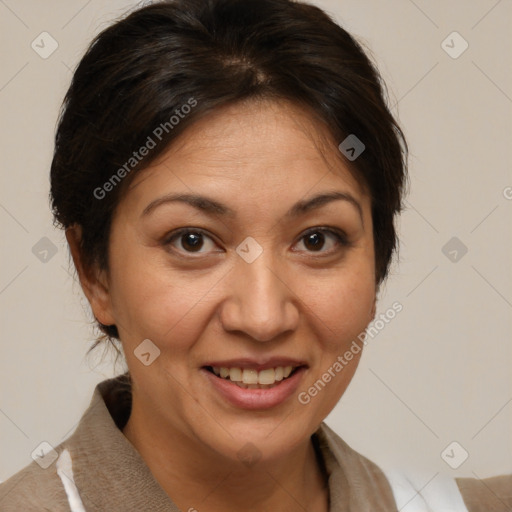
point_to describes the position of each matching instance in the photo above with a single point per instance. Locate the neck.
(197, 478)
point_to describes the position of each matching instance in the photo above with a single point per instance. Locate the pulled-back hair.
(161, 68)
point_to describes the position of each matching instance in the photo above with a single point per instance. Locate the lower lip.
(255, 398)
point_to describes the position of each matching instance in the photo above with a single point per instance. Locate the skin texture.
(295, 300)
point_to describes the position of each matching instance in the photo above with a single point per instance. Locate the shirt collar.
(109, 471)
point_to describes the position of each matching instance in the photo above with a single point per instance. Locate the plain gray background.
(439, 372)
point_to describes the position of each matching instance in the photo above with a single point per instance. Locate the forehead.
(253, 144)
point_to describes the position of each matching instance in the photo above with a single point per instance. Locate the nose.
(260, 302)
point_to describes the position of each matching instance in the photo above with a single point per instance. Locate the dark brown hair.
(138, 75)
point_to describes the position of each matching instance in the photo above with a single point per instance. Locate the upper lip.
(255, 364)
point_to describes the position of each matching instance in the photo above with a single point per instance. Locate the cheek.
(151, 301)
(341, 308)
(342, 305)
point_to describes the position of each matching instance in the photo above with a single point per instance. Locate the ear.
(93, 281)
(374, 308)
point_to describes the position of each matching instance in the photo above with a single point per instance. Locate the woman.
(227, 173)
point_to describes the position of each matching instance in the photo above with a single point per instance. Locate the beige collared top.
(98, 469)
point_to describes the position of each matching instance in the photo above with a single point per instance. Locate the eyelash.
(339, 236)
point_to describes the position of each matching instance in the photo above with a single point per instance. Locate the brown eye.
(316, 240)
(190, 241)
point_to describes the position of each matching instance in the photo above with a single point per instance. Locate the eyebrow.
(213, 207)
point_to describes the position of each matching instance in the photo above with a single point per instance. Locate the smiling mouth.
(248, 378)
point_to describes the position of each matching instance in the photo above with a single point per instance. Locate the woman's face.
(262, 280)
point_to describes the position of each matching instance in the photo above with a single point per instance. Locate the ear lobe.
(93, 281)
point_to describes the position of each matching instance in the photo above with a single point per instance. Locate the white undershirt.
(415, 492)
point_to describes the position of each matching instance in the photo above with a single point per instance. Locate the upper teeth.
(249, 376)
